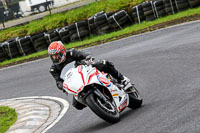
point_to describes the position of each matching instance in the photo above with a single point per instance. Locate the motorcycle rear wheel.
(135, 100)
(105, 110)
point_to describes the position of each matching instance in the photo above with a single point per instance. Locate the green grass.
(134, 28)
(8, 117)
(114, 35)
(69, 17)
(35, 55)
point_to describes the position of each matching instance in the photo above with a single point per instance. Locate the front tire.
(105, 110)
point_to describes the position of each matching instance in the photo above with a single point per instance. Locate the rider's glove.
(59, 85)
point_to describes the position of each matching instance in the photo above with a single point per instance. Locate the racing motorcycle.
(100, 92)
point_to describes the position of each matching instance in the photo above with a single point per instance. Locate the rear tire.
(135, 100)
(106, 111)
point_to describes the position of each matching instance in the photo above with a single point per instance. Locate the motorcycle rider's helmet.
(57, 52)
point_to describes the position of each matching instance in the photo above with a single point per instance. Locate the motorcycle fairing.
(77, 78)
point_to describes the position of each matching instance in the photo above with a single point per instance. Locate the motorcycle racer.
(61, 57)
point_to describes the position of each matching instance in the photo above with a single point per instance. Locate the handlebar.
(87, 61)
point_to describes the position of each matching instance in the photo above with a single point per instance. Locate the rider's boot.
(122, 80)
(126, 83)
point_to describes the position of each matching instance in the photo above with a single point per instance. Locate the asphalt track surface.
(165, 67)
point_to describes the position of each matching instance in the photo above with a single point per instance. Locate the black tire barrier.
(182, 5)
(25, 45)
(137, 14)
(3, 55)
(120, 20)
(79, 35)
(101, 21)
(78, 31)
(11, 48)
(159, 8)
(149, 11)
(170, 7)
(39, 41)
(92, 25)
(194, 3)
(64, 34)
(37, 35)
(52, 35)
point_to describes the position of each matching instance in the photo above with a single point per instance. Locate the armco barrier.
(99, 23)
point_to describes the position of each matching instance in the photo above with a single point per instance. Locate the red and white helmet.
(57, 52)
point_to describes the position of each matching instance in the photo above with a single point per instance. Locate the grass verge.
(8, 117)
(62, 19)
(185, 16)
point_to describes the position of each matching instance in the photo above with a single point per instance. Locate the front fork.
(100, 95)
(97, 92)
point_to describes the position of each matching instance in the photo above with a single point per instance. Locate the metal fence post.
(3, 24)
(48, 7)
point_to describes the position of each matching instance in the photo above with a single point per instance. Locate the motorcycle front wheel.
(104, 109)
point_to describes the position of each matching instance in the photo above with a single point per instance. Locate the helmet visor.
(56, 58)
